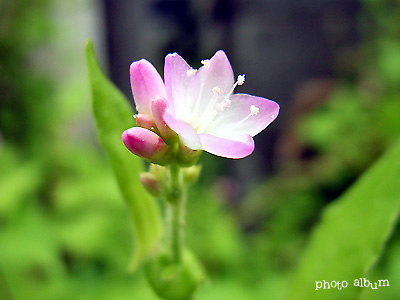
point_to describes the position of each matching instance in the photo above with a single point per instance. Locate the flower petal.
(145, 121)
(182, 84)
(219, 72)
(186, 132)
(216, 73)
(146, 84)
(158, 108)
(242, 147)
(246, 115)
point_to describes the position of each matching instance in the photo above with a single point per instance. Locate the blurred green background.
(65, 231)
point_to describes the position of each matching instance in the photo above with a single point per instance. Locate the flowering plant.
(192, 111)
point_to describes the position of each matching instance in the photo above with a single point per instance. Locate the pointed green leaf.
(352, 233)
(113, 115)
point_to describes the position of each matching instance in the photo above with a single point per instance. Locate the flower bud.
(158, 171)
(191, 174)
(146, 144)
(151, 184)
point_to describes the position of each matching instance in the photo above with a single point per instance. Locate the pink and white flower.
(199, 105)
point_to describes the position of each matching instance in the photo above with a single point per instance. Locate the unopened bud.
(151, 183)
(159, 171)
(191, 174)
(146, 144)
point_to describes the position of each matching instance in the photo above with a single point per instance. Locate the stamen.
(191, 72)
(254, 110)
(240, 79)
(221, 106)
(206, 63)
(218, 103)
(226, 103)
(216, 90)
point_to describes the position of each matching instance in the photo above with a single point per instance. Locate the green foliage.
(17, 183)
(352, 232)
(337, 132)
(220, 231)
(25, 95)
(113, 115)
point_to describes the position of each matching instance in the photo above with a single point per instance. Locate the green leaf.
(5, 292)
(113, 115)
(352, 233)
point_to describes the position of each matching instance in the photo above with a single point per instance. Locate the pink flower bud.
(191, 174)
(151, 183)
(146, 144)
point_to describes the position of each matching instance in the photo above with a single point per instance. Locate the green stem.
(176, 207)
